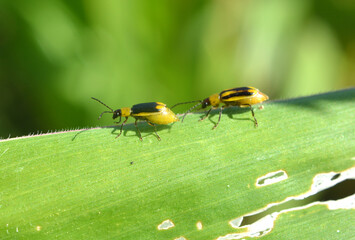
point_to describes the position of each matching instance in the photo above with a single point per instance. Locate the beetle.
(153, 113)
(241, 97)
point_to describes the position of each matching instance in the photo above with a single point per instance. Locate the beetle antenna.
(104, 105)
(103, 114)
(198, 104)
(184, 103)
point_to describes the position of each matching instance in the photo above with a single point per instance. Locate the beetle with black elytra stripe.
(152, 112)
(241, 97)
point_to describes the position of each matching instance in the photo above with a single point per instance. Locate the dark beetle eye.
(205, 103)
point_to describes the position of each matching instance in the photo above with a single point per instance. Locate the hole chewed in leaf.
(165, 225)
(271, 178)
(261, 222)
(199, 225)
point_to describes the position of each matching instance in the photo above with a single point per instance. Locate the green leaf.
(89, 185)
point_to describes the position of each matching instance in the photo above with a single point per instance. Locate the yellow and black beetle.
(241, 97)
(152, 112)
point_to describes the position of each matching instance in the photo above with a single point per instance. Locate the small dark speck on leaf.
(335, 176)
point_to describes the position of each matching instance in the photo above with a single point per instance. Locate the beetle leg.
(155, 129)
(208, 112)
(118, 121)
(219, 118)
(252, 113)
(139, 132)
(124, 122)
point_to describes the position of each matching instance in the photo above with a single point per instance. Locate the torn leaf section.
(345, 203)
(271, 178)
(326, 180)
(165, 225)
(261, 222)
(235, 223)
(258, 229)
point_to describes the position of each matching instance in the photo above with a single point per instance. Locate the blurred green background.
(55, 55)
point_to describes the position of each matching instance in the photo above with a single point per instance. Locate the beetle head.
(206, 102)
(117, 113)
